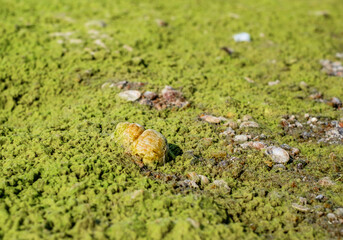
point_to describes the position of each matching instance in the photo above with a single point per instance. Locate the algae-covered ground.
(62, 175)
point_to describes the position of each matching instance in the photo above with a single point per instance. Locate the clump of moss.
(61, 176)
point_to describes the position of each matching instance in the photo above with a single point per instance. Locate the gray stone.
(130, 95)
(277, 154)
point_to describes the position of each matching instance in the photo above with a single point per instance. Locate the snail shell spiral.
(149, 146)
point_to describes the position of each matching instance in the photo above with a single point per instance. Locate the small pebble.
(194, 223)
(332, 217)
(240, 138)
(258, 145)
(332, 68)
(336, 102)
(228, 132)
(193, 176)
(130, 95)
(319, 208)
(292, 118)
(320, 214)
(320, 197)
(306, 135)
(100, 43)
(220, 184)
(129, 85)
(105, 85)
(279, 166)
(303, 200)
(255, 145)
(75, 41)
(246, 118)
(210, 118)
(249, 80)
(295, 151)
(128, 48)
(170, 93)
(303, 85)
(150, 95)
(249, 124)
(97, 23)
(321, 13)
(190, 183)
(339, 212)
(263, 136)
(325, 182)
(172, 97)
(285, 146)
(147, 102)
(273, 83)
(246, 145)
(277, 154)
(313, 120)
(315, 96)
(223, 163)
(300, 207)
(223, 119)
(161, 23)
(93, 32)
(301, 164)
(234, 15)
(332, 134)
(232, 124)
(242, 37)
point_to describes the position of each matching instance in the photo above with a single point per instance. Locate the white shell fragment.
(130, 95)
(210, 119)
(277, 154)
(100, 43)
(254, 145)
(95, 23)
(241, 138)
(242, 37)
(249, 124)
(273, 83)
(300, 208)
(325, 182)
(75, 41)
(220, 184)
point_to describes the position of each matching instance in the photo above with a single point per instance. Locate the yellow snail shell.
(148, 145)
(127, 133)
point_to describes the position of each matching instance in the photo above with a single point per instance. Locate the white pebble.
(240, 138)
(249, 124)
(273, 83)
(314, 120)
(242, 37)
(277, 154)
(130, 95)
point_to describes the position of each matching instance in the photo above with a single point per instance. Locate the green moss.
(63, 176)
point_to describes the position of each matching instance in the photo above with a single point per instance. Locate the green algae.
(63, 176)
